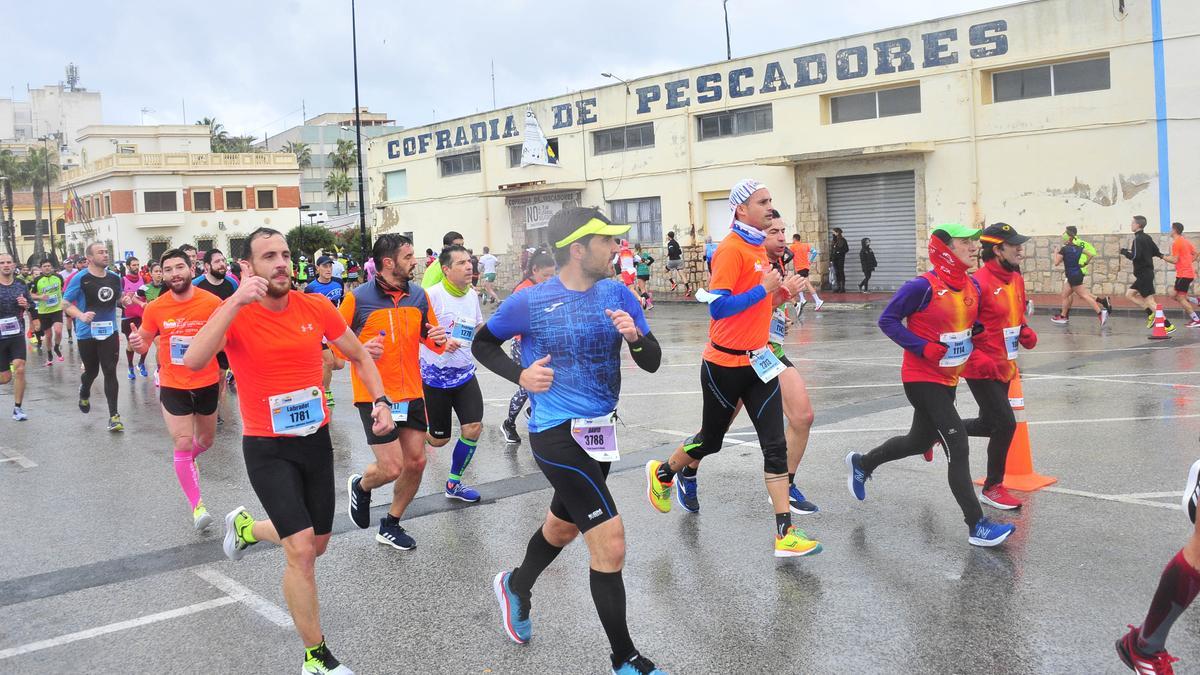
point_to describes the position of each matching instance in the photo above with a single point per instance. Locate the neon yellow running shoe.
(200, 518)
(318, 661)
(658, 492)
(239, 533)
(795, 543)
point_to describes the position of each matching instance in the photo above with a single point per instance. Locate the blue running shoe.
(132, 375)
(986, 533)
(688, 493)
(142, 370)
(798, 503)
(462, 492)
(857, 481)
(393, 535)
(514, 612)
(638, 665)
(359, 505)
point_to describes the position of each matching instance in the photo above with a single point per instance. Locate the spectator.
(867, 257)
(837, 257)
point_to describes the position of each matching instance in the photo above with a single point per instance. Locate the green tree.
(10, 168)
(217, 135)
(302, 152)
(345, 156)
(307, 239)
(350, 242)
(337, 185)
(40, 169)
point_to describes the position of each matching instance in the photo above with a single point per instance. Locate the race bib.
(462, 333)
(766, 365)
(10, 325)
(51, 301)
(1010, 341)
(179, 347)
(102, 329)
(400, 411)
(778, 327)
(297, 413)
(597, 436)
(958, 348)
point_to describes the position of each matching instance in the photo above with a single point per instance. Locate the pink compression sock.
(197, 449)
(189, 479)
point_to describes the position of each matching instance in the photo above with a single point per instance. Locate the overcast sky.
(251, 64)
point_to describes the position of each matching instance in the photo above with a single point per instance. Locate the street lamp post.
(4, 223)
(728, 49)
(362, 201)
(49, 198)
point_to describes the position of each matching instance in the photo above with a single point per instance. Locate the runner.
(625, 262)
(449, 373)
(155, 286)
(190, 251)
(188, 398)
(572, 328)
(675, 264)
(48, 291)
(644, 261)
(1183, 255)
(14, 300)
(738, 364)
(334, 288)
(391, 316)
(76, 266)
(940, 309)
(131, 312)
(1074, 256)
(216, 280)
(273, 337)
(488, 262)
(1143, 253)
(802, 256)
(541, 268)
(433, 273)
(474, 268)
(91, 299)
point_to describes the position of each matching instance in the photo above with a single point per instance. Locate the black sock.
(782, 522)
(129, 357)
(791, 479)
(142, 360)
(1148, 311)
(391, 520)
(57, 350)
(688, 472)
(608, 593)
(539, 553)
(664, 473)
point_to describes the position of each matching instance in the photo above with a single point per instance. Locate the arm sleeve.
(1153, 249)
(727, 305)
(646, 353)
(912, 297)
(488, 350)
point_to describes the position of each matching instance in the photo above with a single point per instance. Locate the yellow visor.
(593, 226)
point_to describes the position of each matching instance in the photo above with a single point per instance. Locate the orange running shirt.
(167, 317)
(401, 316)
(1184, 253)
(800, 253)
(279, 352)
(738, 266)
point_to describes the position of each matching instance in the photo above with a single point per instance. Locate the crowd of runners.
(273, 332)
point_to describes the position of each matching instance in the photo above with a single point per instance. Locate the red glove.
(981, 366)
(1027, 337)
(934, 351)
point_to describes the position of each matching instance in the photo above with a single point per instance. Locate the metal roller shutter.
(881, 206)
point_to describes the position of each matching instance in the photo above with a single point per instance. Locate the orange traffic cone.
(1018, 469)
(1160, 325)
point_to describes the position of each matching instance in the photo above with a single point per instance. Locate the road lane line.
(269, 610)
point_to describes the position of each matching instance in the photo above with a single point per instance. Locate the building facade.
(1042, 114)
(59, 111)
(144, 190)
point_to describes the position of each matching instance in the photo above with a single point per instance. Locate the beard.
(180, 286)
(279, 289)
(220, 276)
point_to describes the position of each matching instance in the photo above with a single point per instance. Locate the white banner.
(536, 150)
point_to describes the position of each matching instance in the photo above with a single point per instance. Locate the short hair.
(445, 256)
(670, 235)
(386, 246)
(1178, 227)
(174, 253)
(187, 247)
(541, 260)
(6, 253)
(132, 258)
(1140, 220)
(247, 248)
(153, 264)
(563, 255)
(775, 214)
(428, 251)
(46, 261)
(486, 250)
(210, 254)
(94, 244)
(796, 237)
(1072, 231)
(448, 238)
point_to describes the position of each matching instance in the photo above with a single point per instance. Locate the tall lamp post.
(362, 200)
(49, 198)
(3, 222)
(728, 49)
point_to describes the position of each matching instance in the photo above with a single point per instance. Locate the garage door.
(719, 218)
(881, 206)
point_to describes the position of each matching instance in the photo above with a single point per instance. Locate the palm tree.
(218, 137)
(302, 152)
(344, 156)
(40, 169)
(10, 168)
(338, 184)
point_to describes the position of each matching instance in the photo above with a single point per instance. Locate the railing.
(183, 160)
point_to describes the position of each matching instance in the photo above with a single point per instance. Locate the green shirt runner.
(51, 286)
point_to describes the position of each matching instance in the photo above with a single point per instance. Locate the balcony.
(183, 161)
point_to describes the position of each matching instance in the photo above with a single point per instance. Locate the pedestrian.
(488, 262)
(837, 257)
(866, 257)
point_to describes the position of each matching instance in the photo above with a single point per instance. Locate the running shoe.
(658, 492)
(19, 414)
(509, 428)
(998, 497)
(1158, 663)
(463, 493)
(132, 375)
(817, 307)
(142, 370)
(1191, 491)
(1193, 324)
(857, 481)
(987, 533)
(359, 504)
(319, 661)
(1104, 318)
(1170, 327)
(60, 358)
(795, 544)
(514, 611)
(200, 518)
(394, 536)
(115, 424)
(85, 406)
(1150, 320)
(1059, 319)
(1104, 302)
(798, 504)
(238, 523)
(637, 665)
(800, 309)
(49, 361)
(329, 398)
(688, 494)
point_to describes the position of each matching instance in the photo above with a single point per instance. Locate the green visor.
(593, 226)
(957, 231)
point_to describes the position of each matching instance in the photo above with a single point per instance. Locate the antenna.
(493, 84)
(72, 76)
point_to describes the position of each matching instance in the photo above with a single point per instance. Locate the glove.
(1125, 252)
(934, 351)
(1027, 337)
(983, 366)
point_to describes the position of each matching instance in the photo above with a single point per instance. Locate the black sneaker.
(359, 502)
(393, 535)
(509, 428)
(85, 406)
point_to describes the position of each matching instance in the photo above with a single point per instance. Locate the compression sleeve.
(488, 350)
(646, 353)
(727, 305)
(911, 298)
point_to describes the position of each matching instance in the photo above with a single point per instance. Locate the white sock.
(802, 300)
(816, 297)
(1195, 317)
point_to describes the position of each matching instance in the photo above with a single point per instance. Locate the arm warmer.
(488, 350)
(909, 299)
(646, 353)
(727, 305)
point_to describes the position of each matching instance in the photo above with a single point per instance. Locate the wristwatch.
(384, 400)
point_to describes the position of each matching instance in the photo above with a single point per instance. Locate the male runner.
(131, 311)
(48, 291)
(188, 398)
(433, 273)
(738, 364)
(1074, 256)
(488, 263)
(216, 280)
(1183, 255)
(1143, 253)
(272, 335)
(334, 288)
(390, 315)
(14, 300)
(802, 257)
(675, 264)
(449, 374)
(190, 251)
(92, 302)
(541, 268)
(571, 329)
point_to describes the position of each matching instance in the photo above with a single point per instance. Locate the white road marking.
(1033, 377)
(1176, 494)
(1123, 499)
(269, 610)
(17, 458)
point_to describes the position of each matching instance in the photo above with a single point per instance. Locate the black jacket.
(673, 250)
(1143, 253)
(840, 248)
(867, 257)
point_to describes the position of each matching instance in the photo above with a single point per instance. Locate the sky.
(255, 65)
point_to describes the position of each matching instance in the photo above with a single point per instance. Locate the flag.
(79, 212)
(536, 149)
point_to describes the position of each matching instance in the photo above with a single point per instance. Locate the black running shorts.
(129, 323)
(466, 400)
(1143, 284)
(1075, 279)
(581, 494)
(416, 420)
(293, 478)
(1183, 285)
(12, 349)
(50, 318)
(180, 402)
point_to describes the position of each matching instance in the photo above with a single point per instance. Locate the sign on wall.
(534, 211)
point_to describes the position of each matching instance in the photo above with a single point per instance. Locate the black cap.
(574, 222)
(1002, 233)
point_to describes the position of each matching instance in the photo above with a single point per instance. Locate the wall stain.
(1121, 188)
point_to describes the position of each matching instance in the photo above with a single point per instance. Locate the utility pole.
(728, 49)
(362, 200)
(493, 84)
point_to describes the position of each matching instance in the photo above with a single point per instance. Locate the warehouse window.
(159, 201)
(1056, 79)
(645, 217)
(514, 152)
(753, 120)
(869, 105)
(395, 185)
(457, 165)
(622, 138)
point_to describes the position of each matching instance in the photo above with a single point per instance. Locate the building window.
(395, 185)
(753, 120)
(235, 200)
(87, 209)
(107, 205)
(645, 216)
(203, 245)
(457, 165)
(159, 201)
(29, 229)
(514, 151)
(1056, 79)
(202, 200)
(265, 198)
(872, 104)
(622, 138)
(236, 246)
(157, 248)
(124, 149)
